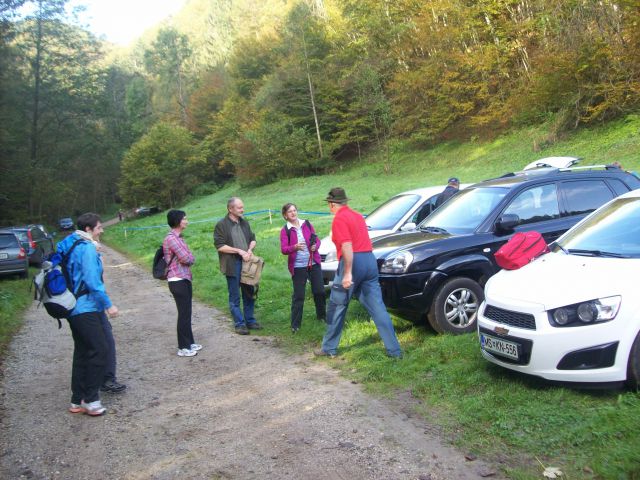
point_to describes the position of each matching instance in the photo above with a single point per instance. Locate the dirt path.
(239, 410)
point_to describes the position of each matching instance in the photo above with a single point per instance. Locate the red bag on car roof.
(522, 248)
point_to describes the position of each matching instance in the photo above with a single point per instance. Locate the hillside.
(438, 371)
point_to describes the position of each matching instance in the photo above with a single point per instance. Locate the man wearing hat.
(357, 275)
(453, 185)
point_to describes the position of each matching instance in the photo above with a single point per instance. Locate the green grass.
(15, 298)
(516, 421)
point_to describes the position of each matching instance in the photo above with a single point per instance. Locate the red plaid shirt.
(178, 256)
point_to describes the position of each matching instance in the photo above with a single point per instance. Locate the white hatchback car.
(401, 212)
(572, 315)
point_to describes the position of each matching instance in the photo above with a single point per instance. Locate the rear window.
(584, 196)
(8, 241)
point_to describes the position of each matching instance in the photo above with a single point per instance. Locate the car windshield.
(465, 211)
(387, 215)
(613, 231)
(8, 241)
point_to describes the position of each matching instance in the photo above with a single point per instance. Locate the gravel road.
(241, 409)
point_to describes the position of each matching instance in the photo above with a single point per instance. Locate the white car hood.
(558, 279)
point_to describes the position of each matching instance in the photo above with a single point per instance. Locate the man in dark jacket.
(235, 242)
(453, 185)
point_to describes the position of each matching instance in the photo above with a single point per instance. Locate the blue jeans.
(248, 302)
(366, 289)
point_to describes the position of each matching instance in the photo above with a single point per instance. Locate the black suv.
(439, 269)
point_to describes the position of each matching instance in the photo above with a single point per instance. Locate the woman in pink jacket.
(298, 240)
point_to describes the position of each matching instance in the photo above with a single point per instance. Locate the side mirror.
(408, 227)
(508, 222)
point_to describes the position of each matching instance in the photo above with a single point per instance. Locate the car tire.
(455, 306)
(633, 366)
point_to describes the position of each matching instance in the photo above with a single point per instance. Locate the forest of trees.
(255, 90)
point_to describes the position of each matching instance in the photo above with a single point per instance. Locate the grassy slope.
(15, 297)
(485, 409)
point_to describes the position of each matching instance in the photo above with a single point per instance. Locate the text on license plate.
(4, 255)
(499, 346)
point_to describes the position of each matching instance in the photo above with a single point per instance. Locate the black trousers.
(300, 277)
(182, 293)
(89, 356)
(110, 368)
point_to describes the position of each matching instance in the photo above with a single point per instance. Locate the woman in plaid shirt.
(179, 259)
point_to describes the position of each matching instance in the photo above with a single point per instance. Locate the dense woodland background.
(256, 90)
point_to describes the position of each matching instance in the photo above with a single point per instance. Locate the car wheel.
(633, 367)
(455, 306)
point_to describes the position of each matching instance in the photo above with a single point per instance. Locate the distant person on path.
(91, 340)
(357, 275)
(235, 242)
(298, 240)
(119, 215)
(179, 260)
(453, 185)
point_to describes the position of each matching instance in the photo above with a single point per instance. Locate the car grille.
(507, 317)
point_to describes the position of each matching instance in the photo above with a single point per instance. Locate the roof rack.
(588, 167)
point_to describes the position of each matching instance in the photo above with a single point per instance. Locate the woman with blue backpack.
(91, 343)
(298, 240)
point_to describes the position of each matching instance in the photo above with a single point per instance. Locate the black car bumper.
(411, 292)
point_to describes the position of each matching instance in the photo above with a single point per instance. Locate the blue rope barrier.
(215, 219)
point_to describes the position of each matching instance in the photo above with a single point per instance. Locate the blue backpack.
(54, 287)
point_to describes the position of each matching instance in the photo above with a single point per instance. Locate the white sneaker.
(195, 347)
(94, 409)
(186, 352)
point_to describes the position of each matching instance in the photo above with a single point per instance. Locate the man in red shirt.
(357, 275)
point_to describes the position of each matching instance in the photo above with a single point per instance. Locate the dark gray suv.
(35, 241)
(439, 269)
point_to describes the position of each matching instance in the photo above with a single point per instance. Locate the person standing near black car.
(453, 185)
(298, 240)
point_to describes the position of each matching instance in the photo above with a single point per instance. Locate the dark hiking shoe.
(322, 353)
(254, 326)
(112, 386)
(242, 330)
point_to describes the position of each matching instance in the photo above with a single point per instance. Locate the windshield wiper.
(595, 253)
(433, 229)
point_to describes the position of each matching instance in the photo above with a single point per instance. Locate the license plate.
(3, 256)
(499, 346)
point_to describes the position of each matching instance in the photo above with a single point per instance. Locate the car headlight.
(586, 313)
(397, 263)
(332, 256)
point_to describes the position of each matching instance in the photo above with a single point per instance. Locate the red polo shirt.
(349, 226)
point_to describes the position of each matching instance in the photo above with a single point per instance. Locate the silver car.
(13, 257)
